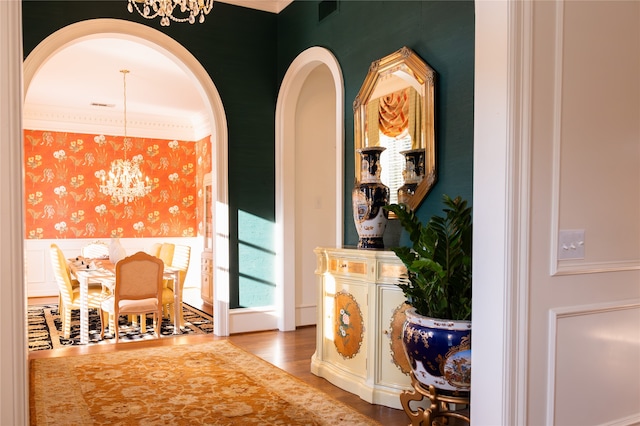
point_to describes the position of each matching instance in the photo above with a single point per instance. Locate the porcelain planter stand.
(445, 409)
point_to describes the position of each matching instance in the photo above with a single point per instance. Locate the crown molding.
(101, 121)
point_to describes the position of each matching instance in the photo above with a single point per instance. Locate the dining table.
(102, 270)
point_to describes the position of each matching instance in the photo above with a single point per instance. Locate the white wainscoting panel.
(598, 349)
(306, 314)
(39, 273)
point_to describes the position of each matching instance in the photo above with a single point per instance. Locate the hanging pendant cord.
(124, 81)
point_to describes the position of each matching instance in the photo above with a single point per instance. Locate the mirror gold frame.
(402, 68)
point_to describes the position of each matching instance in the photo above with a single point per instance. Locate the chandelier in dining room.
(165, 8)
(124, 182)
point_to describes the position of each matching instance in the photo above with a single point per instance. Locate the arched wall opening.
(286, 110)
(187, 62)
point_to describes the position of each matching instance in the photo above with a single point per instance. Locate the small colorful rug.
(45, 327)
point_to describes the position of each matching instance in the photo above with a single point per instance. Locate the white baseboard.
(306, 315)
(244, 320)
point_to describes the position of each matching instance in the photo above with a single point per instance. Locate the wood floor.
(290, 351)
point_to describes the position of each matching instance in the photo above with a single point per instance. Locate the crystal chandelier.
(164, 9)
(124, 182)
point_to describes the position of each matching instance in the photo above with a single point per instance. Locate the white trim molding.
(501, 200)
(14, 389)
(588, 313)
(560, 267)
(107, 122)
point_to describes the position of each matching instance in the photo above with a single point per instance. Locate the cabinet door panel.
(390, 352)
(344, 332)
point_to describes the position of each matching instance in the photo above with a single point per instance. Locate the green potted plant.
(437, 332)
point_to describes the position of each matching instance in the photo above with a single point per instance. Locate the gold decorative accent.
(439, 409)
(398, 355)
(403, 68)
(348, 325)
(345, 266)
(392, 271)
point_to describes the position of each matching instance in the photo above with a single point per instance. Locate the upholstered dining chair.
(164, 251)
(180, 261)
(95, 250)
(137, 291)
(155, 249)
(69, 290)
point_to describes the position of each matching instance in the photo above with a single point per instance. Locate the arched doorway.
(314, 64)
(180, 56)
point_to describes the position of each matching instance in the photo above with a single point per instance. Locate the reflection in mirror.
(395, 109)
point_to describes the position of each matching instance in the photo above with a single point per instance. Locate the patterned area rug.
(45, 327)
(213, 383)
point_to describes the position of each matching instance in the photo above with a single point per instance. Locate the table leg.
(84, 308)
(177, 302)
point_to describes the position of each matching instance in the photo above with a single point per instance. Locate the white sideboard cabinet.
(359, 328)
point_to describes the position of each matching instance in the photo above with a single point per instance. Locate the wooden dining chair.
(137, 291)
(69, 290)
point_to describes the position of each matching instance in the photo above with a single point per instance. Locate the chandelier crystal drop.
(124, 182)
(165, 8)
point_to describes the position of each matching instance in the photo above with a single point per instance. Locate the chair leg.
(166, 312)
(101, 314)
(116, 328)
(112, 323)
(158, 320)
(66, 322)
(170, 312)
(143, 323)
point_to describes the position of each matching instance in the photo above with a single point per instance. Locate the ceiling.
(80, 88)
(274, 6)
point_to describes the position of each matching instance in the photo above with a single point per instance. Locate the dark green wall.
(441, 32)
(247, 52)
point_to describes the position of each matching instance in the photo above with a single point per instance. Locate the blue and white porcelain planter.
(439, 352)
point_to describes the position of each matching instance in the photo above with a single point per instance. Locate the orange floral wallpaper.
(62, 188)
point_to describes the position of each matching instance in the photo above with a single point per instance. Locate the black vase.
(412, 174)
(369, 196)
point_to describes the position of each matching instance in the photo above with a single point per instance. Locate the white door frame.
(501, 204)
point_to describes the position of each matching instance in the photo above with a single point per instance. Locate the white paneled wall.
(583, 313)
(605, 338)
(39, 273)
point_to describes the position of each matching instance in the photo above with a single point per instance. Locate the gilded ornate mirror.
(395, 109)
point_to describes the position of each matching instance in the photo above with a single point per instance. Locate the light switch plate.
(571, 244)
